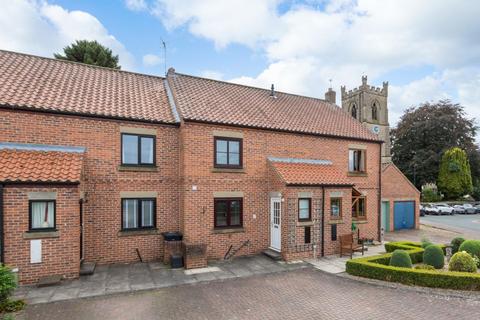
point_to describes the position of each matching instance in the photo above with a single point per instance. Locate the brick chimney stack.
(331, 96)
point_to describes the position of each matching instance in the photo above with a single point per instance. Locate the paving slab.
(124, 278)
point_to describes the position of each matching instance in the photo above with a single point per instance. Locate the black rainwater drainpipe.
(323, 221)
(2, 237)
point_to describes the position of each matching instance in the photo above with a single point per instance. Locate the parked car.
(444, 208)
(422, 210)
(431, 209)
(477, 208)
(458, 209)
(469, 209)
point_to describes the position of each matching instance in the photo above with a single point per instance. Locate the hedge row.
(376, 267)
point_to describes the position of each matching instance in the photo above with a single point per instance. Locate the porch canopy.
(33, 163)
(309, 172)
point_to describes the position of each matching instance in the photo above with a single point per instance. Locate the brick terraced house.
(96, 163)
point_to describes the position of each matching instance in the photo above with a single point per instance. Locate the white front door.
(275, 223)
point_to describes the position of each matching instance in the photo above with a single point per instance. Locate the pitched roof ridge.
(253, 87)
(82, 64)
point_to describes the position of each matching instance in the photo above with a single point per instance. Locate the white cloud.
(151, 60)
(212, 74)
(236, 21)
(136, 5)
(308, 44)
(41, 28)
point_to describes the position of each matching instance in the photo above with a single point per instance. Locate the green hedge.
(376, 267)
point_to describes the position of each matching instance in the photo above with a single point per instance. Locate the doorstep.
(125, 278)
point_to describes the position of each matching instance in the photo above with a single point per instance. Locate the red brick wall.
(60, 256)
(397, 187)
(103, 181)
(184, 159)
(255, 183)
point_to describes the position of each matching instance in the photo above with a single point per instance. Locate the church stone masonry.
(368, 104)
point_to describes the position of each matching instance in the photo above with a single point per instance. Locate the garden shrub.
(472, 247)
(424, 267)
(456, 242)
(7, 283)
(462, 262)
(426, 242)
(400, 258)
(376, 267)
(433, 256)
(414, 249)
(12, 306)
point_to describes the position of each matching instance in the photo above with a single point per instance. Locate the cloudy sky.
(426, 49)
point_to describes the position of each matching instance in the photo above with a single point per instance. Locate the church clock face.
(376, 129)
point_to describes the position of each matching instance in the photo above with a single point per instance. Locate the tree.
(454, 178)
(424, 133)
(89, 52)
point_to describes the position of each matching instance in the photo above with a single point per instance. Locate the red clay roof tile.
(40, 166)
(206, 100)
(60, 86)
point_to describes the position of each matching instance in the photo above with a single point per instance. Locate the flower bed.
(376, 267)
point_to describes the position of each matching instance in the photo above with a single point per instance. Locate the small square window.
(138, 214)
(336, 208)
(304, 209)
(42, 215)
(228, 212)
(228, 152)
(138, 149)
(356, 161)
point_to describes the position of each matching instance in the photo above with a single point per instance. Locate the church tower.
(368, 104)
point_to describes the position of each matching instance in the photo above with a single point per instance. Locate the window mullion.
(228, 212)
(139, 213)
(139, 155)
(228, 152)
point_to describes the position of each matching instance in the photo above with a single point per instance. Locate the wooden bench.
(347, 245)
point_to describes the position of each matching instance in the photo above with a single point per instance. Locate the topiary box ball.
(462, 262)
(472, 247)
(400, 258)
(433, 256)
(456, 243)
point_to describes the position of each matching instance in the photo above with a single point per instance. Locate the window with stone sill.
(356, 161)
(138, 214)
(42, 215)
(228, 213)
(304, 209)
(228, 152)
(138, 150)
(336, 208)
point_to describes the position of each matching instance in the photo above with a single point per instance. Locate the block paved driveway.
(299, 294)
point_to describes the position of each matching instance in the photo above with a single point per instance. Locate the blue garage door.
(404, 215)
